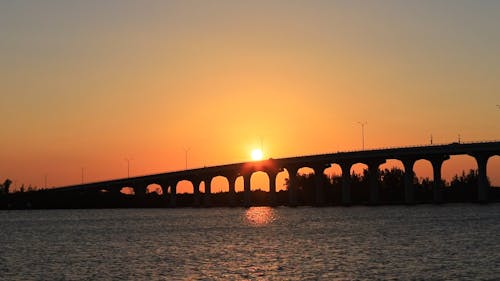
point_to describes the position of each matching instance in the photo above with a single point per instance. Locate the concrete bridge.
(435, 154)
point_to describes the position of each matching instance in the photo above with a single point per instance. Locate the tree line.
(461, 188)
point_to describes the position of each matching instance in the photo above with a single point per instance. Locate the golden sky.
(87, 84)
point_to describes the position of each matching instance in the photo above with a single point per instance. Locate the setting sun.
(257, 154)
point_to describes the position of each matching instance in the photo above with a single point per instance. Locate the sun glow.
(257, 154)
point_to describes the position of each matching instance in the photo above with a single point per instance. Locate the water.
(453, 242)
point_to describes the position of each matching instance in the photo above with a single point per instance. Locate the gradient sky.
(87, 84)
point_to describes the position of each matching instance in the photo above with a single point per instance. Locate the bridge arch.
(392, 171)
(112, 189)
(239, 184)
(154, 188)
(392, 163)
(333, 171)
(259, 180)
(185, 186)
(306, 176)
(201, 186)
(423, 180)
(360, 191)
(461, 176)
(281, 180)
(422, 169)
(458, 165)
(333, 190)
(311, 184)
(127, 190)
(358, 169)
(306, 171)
(220, 184)
(392, 174)
(493, 170)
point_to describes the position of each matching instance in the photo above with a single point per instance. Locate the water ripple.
(359, 243)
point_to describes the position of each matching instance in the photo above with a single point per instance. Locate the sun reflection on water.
(260, 216)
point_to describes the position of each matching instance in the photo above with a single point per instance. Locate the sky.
(86, 85)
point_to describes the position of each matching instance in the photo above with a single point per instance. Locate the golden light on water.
(260, 216)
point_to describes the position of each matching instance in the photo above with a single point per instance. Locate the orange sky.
(89, 84)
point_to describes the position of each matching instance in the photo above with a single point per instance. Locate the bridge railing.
(393, 147)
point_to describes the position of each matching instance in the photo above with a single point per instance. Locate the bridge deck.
(412, 152)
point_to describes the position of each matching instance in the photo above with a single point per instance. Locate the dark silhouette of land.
(462, 188)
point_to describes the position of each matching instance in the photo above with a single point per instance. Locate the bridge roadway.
(435, 154)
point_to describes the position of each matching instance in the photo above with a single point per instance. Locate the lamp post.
(128, 166)
(261, 145)
(363, 134)
(83, 175)
(186, 150)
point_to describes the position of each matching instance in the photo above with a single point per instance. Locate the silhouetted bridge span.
(435, 154)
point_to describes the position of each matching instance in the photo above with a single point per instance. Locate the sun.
(257, 154)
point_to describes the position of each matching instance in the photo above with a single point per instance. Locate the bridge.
(435, 154)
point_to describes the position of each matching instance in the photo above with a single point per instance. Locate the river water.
(425, 242)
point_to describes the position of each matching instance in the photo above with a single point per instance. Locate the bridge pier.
(346, 182)
(165, 186)
(409, 191)
(247, 201)
(437, 181)
(232, 189)
(173, 194)
(482, 181)
(272, 188)
(207, 198)
(140, 190)
(292, 185)
(374, 175)
(319, 180)
(164, 189)
(196, 192)
(116, 191)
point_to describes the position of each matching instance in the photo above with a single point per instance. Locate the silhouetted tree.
(464, 187)
(469, 179)
(336, 188)
(360, 191)
(392, 184)
(306, 189)
(6, 185)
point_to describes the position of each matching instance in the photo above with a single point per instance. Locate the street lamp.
(363, 133)
(186, 150)
(261, 145)
(83, 174)
(128, 166)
